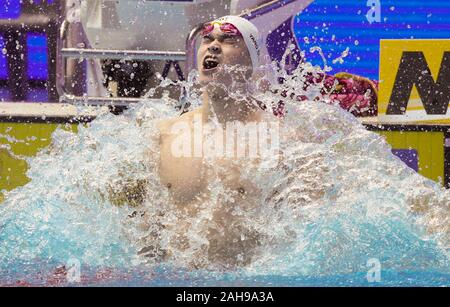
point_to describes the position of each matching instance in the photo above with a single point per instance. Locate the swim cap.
(250, 34)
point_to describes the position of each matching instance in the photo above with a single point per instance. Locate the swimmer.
(236, 42)
(228, 42)
(231, 41)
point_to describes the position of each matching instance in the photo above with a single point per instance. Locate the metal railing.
(65, 53)
(123, 54)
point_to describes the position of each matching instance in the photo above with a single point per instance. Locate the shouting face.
(222, 47)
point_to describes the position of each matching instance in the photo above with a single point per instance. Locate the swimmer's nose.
(214, 49)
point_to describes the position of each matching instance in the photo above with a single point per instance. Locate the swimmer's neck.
(225, 109)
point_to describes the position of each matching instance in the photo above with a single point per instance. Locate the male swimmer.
(231, 42)
(228, 42)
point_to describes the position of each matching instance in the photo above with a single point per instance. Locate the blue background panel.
(37, 55)
(3, 60)
(335, 25)
(13, 8)
(10, 9)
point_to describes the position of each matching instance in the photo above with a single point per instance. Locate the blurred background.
(29, 28)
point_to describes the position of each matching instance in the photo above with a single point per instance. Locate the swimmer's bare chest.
(183, 177)
(187, 179)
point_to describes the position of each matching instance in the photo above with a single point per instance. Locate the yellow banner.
(414, 81)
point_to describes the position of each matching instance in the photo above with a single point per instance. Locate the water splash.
(336, 198)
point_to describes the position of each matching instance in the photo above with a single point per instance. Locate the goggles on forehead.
(225, 27)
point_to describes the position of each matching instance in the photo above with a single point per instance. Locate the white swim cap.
(250, 34)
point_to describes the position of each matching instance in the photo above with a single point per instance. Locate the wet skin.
(187, 177)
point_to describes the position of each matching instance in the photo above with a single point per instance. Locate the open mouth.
(210, 63)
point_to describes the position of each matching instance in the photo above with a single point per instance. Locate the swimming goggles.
(225, 27)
